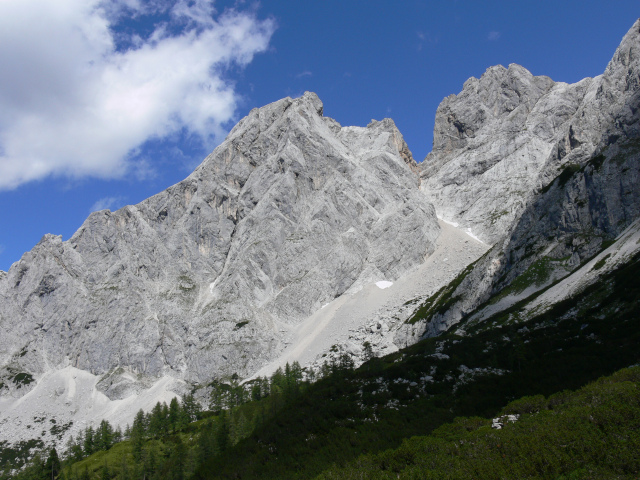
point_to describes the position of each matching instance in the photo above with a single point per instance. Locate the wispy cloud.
(306, 73)
(79, 96)
(493, 36)
(425, 38)
(112, 203)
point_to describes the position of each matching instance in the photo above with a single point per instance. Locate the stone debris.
(500, 422)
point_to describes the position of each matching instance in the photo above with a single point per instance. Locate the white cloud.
(493, 36)
(73, 104)
(112, 203)
(306, 73)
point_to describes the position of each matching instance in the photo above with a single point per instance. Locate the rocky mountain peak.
(509, 133)
(208, 277)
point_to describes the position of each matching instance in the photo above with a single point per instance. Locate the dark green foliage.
(191, 408)
(322, 427)
(89, 442)
(442, 300)
(52, 465)
(104, 436)
(138, 432)
(592, 433)
(285, 427)
(21, 379)
(601, 263)
(174, 414)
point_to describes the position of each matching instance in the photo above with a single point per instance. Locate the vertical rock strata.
(207, 277)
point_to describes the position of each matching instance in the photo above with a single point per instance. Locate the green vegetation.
(601, 263)
(443, 299)
(591, 433)
(21, 379)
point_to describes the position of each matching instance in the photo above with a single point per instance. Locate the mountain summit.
(509, 133)
(206, 278)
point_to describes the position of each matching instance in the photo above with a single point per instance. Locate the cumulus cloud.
(79, 96)
(493, 36)
(112, 203)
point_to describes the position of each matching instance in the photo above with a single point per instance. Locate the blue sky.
(105, 103)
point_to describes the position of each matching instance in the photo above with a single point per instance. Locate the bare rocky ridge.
(209, 277)
(509, 133)
(585, 195)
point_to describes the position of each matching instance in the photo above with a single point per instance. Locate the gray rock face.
(587, 190)
(494, 142)
(206, 278)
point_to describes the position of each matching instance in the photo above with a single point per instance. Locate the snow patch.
(470, 233)
(453, 224)
(383, 284)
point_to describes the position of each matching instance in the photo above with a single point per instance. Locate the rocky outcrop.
(509, 134)
(586, 193)
(206, 278)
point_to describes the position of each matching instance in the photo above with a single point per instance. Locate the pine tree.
(191, 407)
(105, 473)
(217, 397)
(174, 414)
(206, 442)
(73, 451)
(278, 381)
(156, 421)
(239, 427)
(104, 436)
(150, 464)
(176, 461)
(117, 435)
(367, 352)
(137, 434)
(52, 465)
(89, 441)
(85, 474)
(256, 394)
(124, 470)
(164, 424)
(222, 434)
(264, 387)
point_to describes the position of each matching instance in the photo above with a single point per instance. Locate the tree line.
(157, 448)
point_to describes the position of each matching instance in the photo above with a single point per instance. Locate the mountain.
(579, 194)
(296, 227)
(205, 279)
(508, 134)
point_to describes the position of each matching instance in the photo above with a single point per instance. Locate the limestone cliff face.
(508, 134)
(584, 193)
(206, 278)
